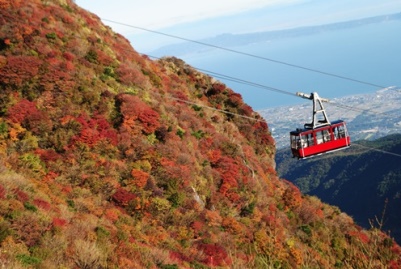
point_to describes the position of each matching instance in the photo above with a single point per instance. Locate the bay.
(370, 54)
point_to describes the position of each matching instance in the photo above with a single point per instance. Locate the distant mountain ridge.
(364, 183)
(229, 40)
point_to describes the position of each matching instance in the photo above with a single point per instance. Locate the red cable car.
(320, 136)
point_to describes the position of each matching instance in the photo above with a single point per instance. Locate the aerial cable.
(357, 109)
(248, 54)
(242, 81)
(257, 85)
(215, 109)
(376, 149)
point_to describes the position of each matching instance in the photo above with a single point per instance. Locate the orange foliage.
(111, 214)
(232, 225)
(213, 218)
(140, 177)
(292, 196)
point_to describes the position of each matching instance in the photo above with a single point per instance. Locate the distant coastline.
(235, 40)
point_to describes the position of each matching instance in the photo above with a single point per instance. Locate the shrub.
(27, 260)
(51, 36)
(30, 207)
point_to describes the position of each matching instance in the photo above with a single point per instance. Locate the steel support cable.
(215, 109)
(357, 109)
(250, 55)
(376, 149)
(249, 83)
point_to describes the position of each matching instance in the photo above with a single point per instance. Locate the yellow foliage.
(15, 130)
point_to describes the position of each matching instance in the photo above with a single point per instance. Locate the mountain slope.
(111, 160)
(364, 183)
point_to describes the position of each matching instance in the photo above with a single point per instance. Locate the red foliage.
(69, 56)
(180, 96)
(42, 204)
(21, 110)
(22, 196)
(4, 4)
(292, 196)
(246, 110)
(197, 226)
(394, 264)
(176, 171)
(396, 249)
(229, 173)
(360, 235)
(179, 257)
(130, 75)
(149, 119)
(58, 222)
(38, 122)
(214, 156)
(270, 220)
(261, 131)
(216, 89)
(215, 254)
(56, 76)
(2, 192)
(122, 197)
(235, 99)
(93, 130)
(50, 177)
(48, 155)
(104, 58)
(19, 69)
(135, 110)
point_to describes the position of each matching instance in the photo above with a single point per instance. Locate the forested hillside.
(111, 160)
(363, 182)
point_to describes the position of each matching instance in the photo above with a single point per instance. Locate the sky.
(156, 14)
(207, 18)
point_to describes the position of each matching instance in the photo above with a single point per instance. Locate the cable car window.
(303, 142)
(310, 139)
(294, 141)
(341, 131)
(326, 135)
(335, 133)
(319, 137)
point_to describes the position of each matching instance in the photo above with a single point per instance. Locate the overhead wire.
(262, 58)
(257, 85)
(248, 54)
(378, 150)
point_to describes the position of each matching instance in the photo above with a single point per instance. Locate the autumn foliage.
(111, 160)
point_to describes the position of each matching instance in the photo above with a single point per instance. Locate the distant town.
(368, 116)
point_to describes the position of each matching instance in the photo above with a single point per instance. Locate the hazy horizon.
(200, 20)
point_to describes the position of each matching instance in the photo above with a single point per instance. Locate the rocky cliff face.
(109, 159)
